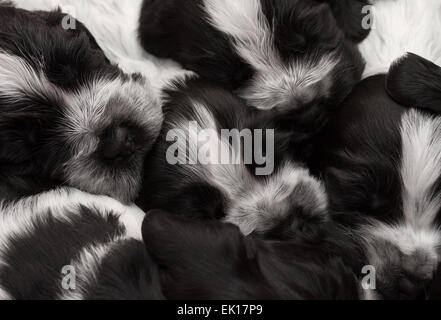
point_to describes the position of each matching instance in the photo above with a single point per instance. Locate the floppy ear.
(20, 136)
(415, 82)
(177, 241)
(349, 15)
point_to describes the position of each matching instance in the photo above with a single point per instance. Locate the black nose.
(118, 143)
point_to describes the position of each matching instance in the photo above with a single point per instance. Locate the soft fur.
(275, 54)
(114, 25)
(382, 170)
(115, 255)
(285, 202)
(68, 116)
(402, 26)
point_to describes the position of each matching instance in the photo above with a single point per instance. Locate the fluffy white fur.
(402, 26)
(275, 83)
(114, 24)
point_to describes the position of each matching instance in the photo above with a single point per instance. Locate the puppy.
(276, 54)
(218, 160)
(415, 82)
(382, 170)
(66, 244)
(67, 116)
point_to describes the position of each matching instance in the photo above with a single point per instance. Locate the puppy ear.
(174, 240)
(349, 15)
(415, 82)
(21, 136)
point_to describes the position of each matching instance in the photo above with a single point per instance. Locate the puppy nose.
(118, 142)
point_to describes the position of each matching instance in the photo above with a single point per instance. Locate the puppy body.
(94, 237)
(382, 173)
(286, 198)
(399, 27)
(68, 117)
(275, 54)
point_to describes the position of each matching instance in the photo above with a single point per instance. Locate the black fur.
(34, 146)
(302, 30)
(223, 264)
(179, 258)
(177, 189)
(415, 82)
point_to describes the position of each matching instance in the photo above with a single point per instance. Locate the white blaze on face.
(275, 82)
(421, 168)
(415, 235)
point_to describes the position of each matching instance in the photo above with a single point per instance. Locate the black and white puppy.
(67, 116)
(382, 168)
(67, 244)
(277, 54)
(215, 159)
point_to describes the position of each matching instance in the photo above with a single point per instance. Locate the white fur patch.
(276, 83)
(4, 295)
(19, 80)
(87, 267)
(402, 26)
(18, 219)
(421, 168)
(416, 235)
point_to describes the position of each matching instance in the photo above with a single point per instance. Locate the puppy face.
(285, 203)
(383, 174)
(276, 54)
(75, 119)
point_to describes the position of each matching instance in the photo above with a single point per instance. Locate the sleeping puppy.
(217, 160)
(382, 167)
(415, 81)
(277, 54)
(66, 244)
(67, 116)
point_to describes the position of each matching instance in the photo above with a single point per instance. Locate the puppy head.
(298, 54)
(93, 138)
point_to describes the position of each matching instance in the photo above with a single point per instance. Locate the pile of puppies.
(85, 128)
